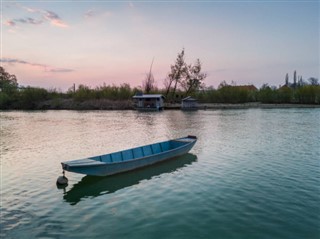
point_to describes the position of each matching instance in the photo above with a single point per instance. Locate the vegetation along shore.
(182, 80)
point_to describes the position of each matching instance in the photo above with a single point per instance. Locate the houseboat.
(149, 102)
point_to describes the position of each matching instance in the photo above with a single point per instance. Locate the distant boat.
(130, 159)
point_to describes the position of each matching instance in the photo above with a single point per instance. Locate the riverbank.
(70, 104)
(105, 104)
(251, 105)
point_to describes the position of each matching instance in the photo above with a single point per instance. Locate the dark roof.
(246, 87)
(189, 98)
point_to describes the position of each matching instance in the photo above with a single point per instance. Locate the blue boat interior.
(141, 152)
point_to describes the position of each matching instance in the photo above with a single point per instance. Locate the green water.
(252, 174)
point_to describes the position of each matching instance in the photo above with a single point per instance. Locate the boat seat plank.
(127, 155)
(156, 148)
(147, 150)
(116, 157)
(137, 152)
(106, 158)
(161, 147)
(165, 146)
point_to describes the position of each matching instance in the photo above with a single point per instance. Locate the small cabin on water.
(149, 102)
(189, 103)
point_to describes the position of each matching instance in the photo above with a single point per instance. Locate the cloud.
(12, 61)
(53, 18)
(42, 15)
(96, 13)
(10, 23)
(27, 20)
(90, 13)
(28, 9)
(60, 70)
(45, 68)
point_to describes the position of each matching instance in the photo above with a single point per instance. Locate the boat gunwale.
(100, 163)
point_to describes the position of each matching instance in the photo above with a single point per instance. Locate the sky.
(55, 44)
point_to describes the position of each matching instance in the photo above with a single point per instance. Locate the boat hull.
(98, 168)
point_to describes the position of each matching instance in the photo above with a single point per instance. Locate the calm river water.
(252, 174)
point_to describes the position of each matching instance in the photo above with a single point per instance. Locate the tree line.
(306, 94)
(182, 80)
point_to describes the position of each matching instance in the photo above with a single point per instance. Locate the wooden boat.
(130, 159)
(93, 186)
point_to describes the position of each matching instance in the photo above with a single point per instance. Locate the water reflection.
(146, 118)
(91, 186)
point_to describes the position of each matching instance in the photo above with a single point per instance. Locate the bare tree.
(149, 83)
(167, 82)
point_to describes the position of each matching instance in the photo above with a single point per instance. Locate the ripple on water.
(253, 174)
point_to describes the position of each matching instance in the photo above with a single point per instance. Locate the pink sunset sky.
(55, 44)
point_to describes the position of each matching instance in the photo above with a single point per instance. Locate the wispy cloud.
(42, 17)
(45, 68)
(53, 18)
(91, 13)
(57, 70)
(27, 20)
(10, 23)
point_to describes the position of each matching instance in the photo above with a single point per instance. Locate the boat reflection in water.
(94, 186)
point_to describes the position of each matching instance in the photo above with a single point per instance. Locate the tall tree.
(287, 80)
(294, 79)
(194, 77)
(178, 71)
(301, 82)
